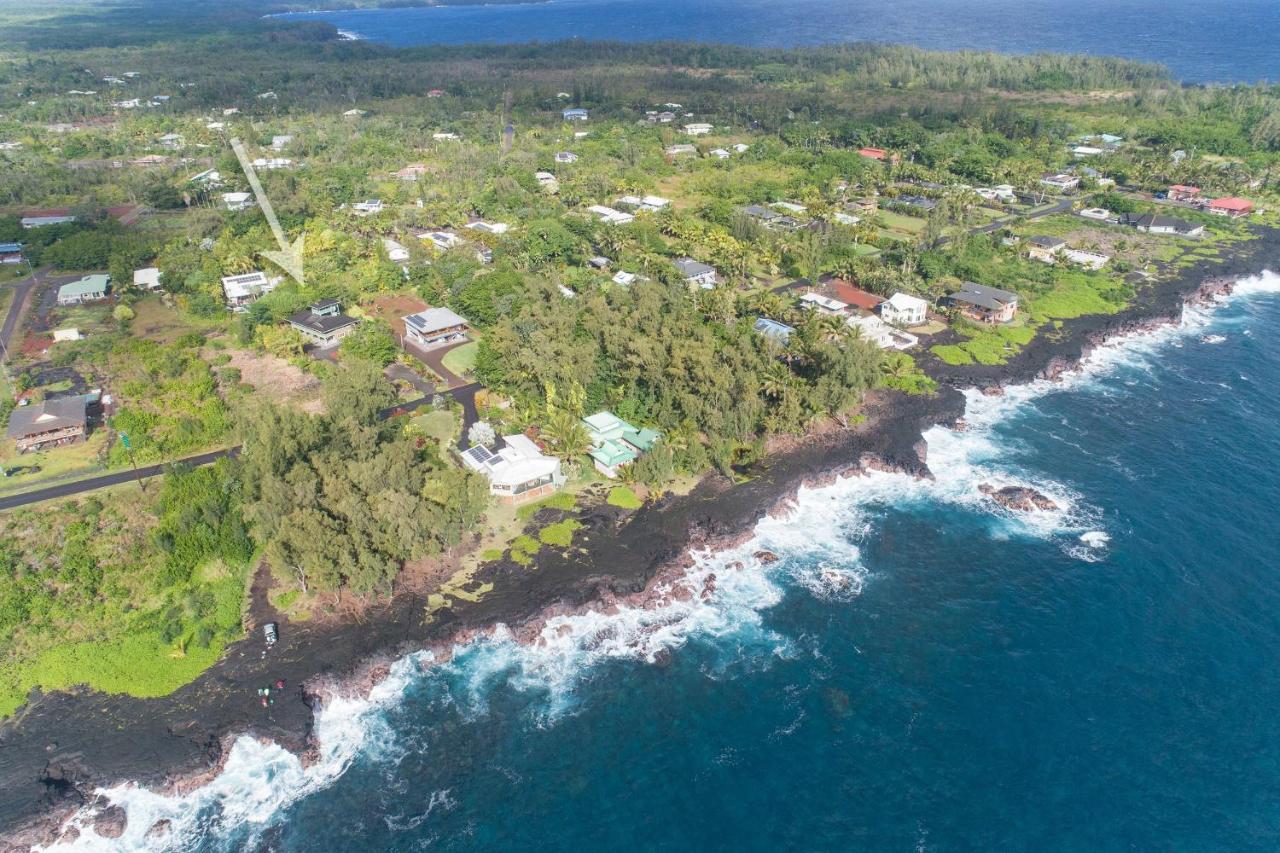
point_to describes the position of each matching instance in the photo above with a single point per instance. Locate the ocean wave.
(722, 595)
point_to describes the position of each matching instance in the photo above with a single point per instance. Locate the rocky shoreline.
(62, 747)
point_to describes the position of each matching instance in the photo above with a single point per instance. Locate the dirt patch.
(274, 377)
(393, 308)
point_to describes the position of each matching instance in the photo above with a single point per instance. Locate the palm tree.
(775, 382)
(566, 435)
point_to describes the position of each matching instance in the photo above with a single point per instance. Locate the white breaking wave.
(723, 595)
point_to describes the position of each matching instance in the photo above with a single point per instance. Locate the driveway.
(434, 359)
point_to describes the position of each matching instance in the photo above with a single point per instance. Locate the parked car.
(271, 633)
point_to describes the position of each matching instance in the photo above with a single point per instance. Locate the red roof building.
(838, 288)
(1231, 206)
(1180, 192)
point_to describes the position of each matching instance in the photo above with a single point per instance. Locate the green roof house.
(616, 443)
(88, 289)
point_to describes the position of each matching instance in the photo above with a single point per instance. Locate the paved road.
(22, 291)
(66, 490)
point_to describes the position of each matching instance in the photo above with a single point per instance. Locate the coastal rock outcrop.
(1018, 498)
(111, 822)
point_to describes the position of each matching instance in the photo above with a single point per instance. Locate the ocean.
(920, 670)
(1219, 41)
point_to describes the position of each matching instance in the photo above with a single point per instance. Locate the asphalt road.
(66, 490)
(22, 291)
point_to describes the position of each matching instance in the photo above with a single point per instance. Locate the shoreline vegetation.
(349, 518)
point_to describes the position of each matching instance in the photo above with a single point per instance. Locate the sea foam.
(722, 595)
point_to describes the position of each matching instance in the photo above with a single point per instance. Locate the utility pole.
(124, 439)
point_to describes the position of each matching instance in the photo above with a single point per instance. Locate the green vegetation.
(624, 497)
(96, 592)
(337, 499)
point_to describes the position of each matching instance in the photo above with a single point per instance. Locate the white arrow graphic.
(289, 258)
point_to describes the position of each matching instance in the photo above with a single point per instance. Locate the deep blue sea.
(921, 671)
(1199, 40)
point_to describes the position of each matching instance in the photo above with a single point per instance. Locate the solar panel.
(480, 454)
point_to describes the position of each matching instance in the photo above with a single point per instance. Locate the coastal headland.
(63, 746)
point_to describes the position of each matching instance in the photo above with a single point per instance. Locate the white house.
(238, 201)
(1088, 260)
(880, 333)
(902, 309)
(279, 143)
(489, 227)
(444, 136)
(1059, 181)
(396, 251)
(518, 472)
(1099, 213)
(823, 304)
(719, 153)
(610, 216)
(698, 128)
(368, 207)
(147, 278)
(171, 141)
(566, 157)
(681, 150)
(442, 240)
(696, 273)
(650, 203)
(270, 163)
(741, 148)
(241, 290)
(546, 180)
(623, 278)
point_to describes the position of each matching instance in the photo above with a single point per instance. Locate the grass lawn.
(440, 425)
(461, 361)
(155, 320)
(56, 463)
(624, 497)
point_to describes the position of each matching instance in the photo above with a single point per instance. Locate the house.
(916, 202)
(1088, 260)
(1059, 181)
(149, 160)
(1183, 193)
(696, 273)
(238, 201)
(367, 207)
(435, 93)
(566, 157)
(396, 252)
(683, 149)
(323, 323)
(774, 330)
(445, 136)
(698, 128)
(279, 143)
(518, 472)
(1153, 223)
(147, 278)
(880, 333)
(986, 304)
(91, 288)
(847, 293)
(434, 327)
(650, 203)
(43, 218)
(740, 148)
(207, 178)
(412, 172)
(845, 218)
(789, 207)
(902, 309)
(270, 163)
(240, 290)
(626, 279)
(664, 117)
(824, 304)
(581, 134)
(1045, 249)
(442, 240)
(1099, 213)
(866, 206)
(171, 141)
(49, 423)
(610, 216)
(10, 253)
(760, 213)
(547, 181)
(1231, 206)
(616, 443)
(599, 262)
(66, 335)
(1080, 151)
(574, 114)
(719, 154)
(489, 227)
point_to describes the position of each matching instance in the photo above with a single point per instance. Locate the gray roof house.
(324, 322)
(48, 423)
(696, 273)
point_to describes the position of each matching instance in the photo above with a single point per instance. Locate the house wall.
(46, 439)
